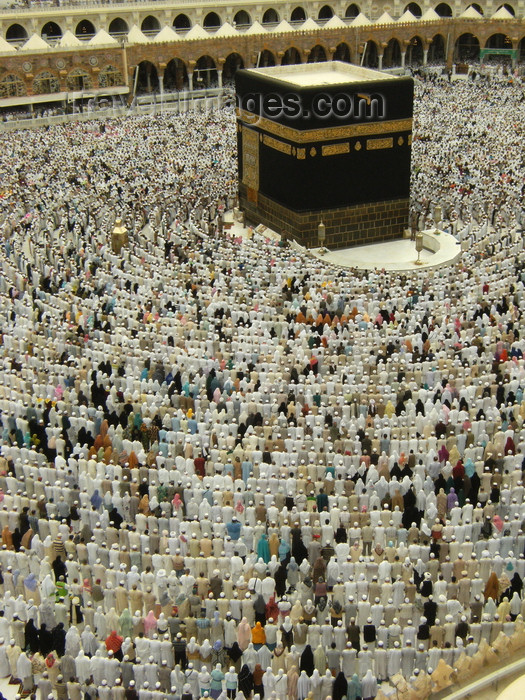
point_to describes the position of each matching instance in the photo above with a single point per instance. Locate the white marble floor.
(8, 691)
(516, 689)
(398, 255)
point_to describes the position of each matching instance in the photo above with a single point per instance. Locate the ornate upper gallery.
(129, 48)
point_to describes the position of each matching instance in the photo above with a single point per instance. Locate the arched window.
(85, 29)
(12, 86)
(325, 13)
(443, 10)
(16, 33)
(118, 26)
(181, 22)
(212, 21)
(298, 15)
(79, 80)
(270, 17)
(110, 77)
(242, 19)
(45, 83)
(352, 11)
(150, 26)
(51, 30)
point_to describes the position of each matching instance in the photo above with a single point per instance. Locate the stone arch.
(175, 75)
(212, 21)
(342, 53)
(509, 8)
(414, 8)
(51, 30)
(205, 72)
(325, 13)
(298, 15)
(150, 25)
(233, 62)
(147, 77)
(414, 52)
(352, 11)
(118, 27)
(16, 32)
(317, 54)
(266, 58)
(12, 85)
(392, 54)
(110, 76)
(78, 80)
(436, 50)
(466, 48)
(85, 29)
(271, 16)
(498, 41)
(443, 10)
(45, 83)
(291, 57)
(181, 22)
(371, 54)
(242, 19)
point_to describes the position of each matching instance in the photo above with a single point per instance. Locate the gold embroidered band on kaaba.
(332, 132)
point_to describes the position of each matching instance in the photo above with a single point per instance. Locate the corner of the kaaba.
(351, 171)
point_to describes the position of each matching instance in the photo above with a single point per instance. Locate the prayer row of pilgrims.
(228, 469)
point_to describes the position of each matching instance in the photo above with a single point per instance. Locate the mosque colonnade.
(117, 19)
(176, 65)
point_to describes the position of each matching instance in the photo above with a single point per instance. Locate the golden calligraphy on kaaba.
(334, 149)
(277, 145)
(250, 158)
(333, 132)
(377, 144)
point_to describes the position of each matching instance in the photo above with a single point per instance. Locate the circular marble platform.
(398, 255)
(514, 691)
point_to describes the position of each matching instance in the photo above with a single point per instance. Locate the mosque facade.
(47, 53)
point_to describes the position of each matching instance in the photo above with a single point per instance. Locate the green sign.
(513, 53)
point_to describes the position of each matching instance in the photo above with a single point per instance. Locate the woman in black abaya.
(307, 661)
(245, 681)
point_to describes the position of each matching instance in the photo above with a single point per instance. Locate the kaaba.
(325, 142)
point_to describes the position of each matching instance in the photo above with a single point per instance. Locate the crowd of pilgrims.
(229, 469)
